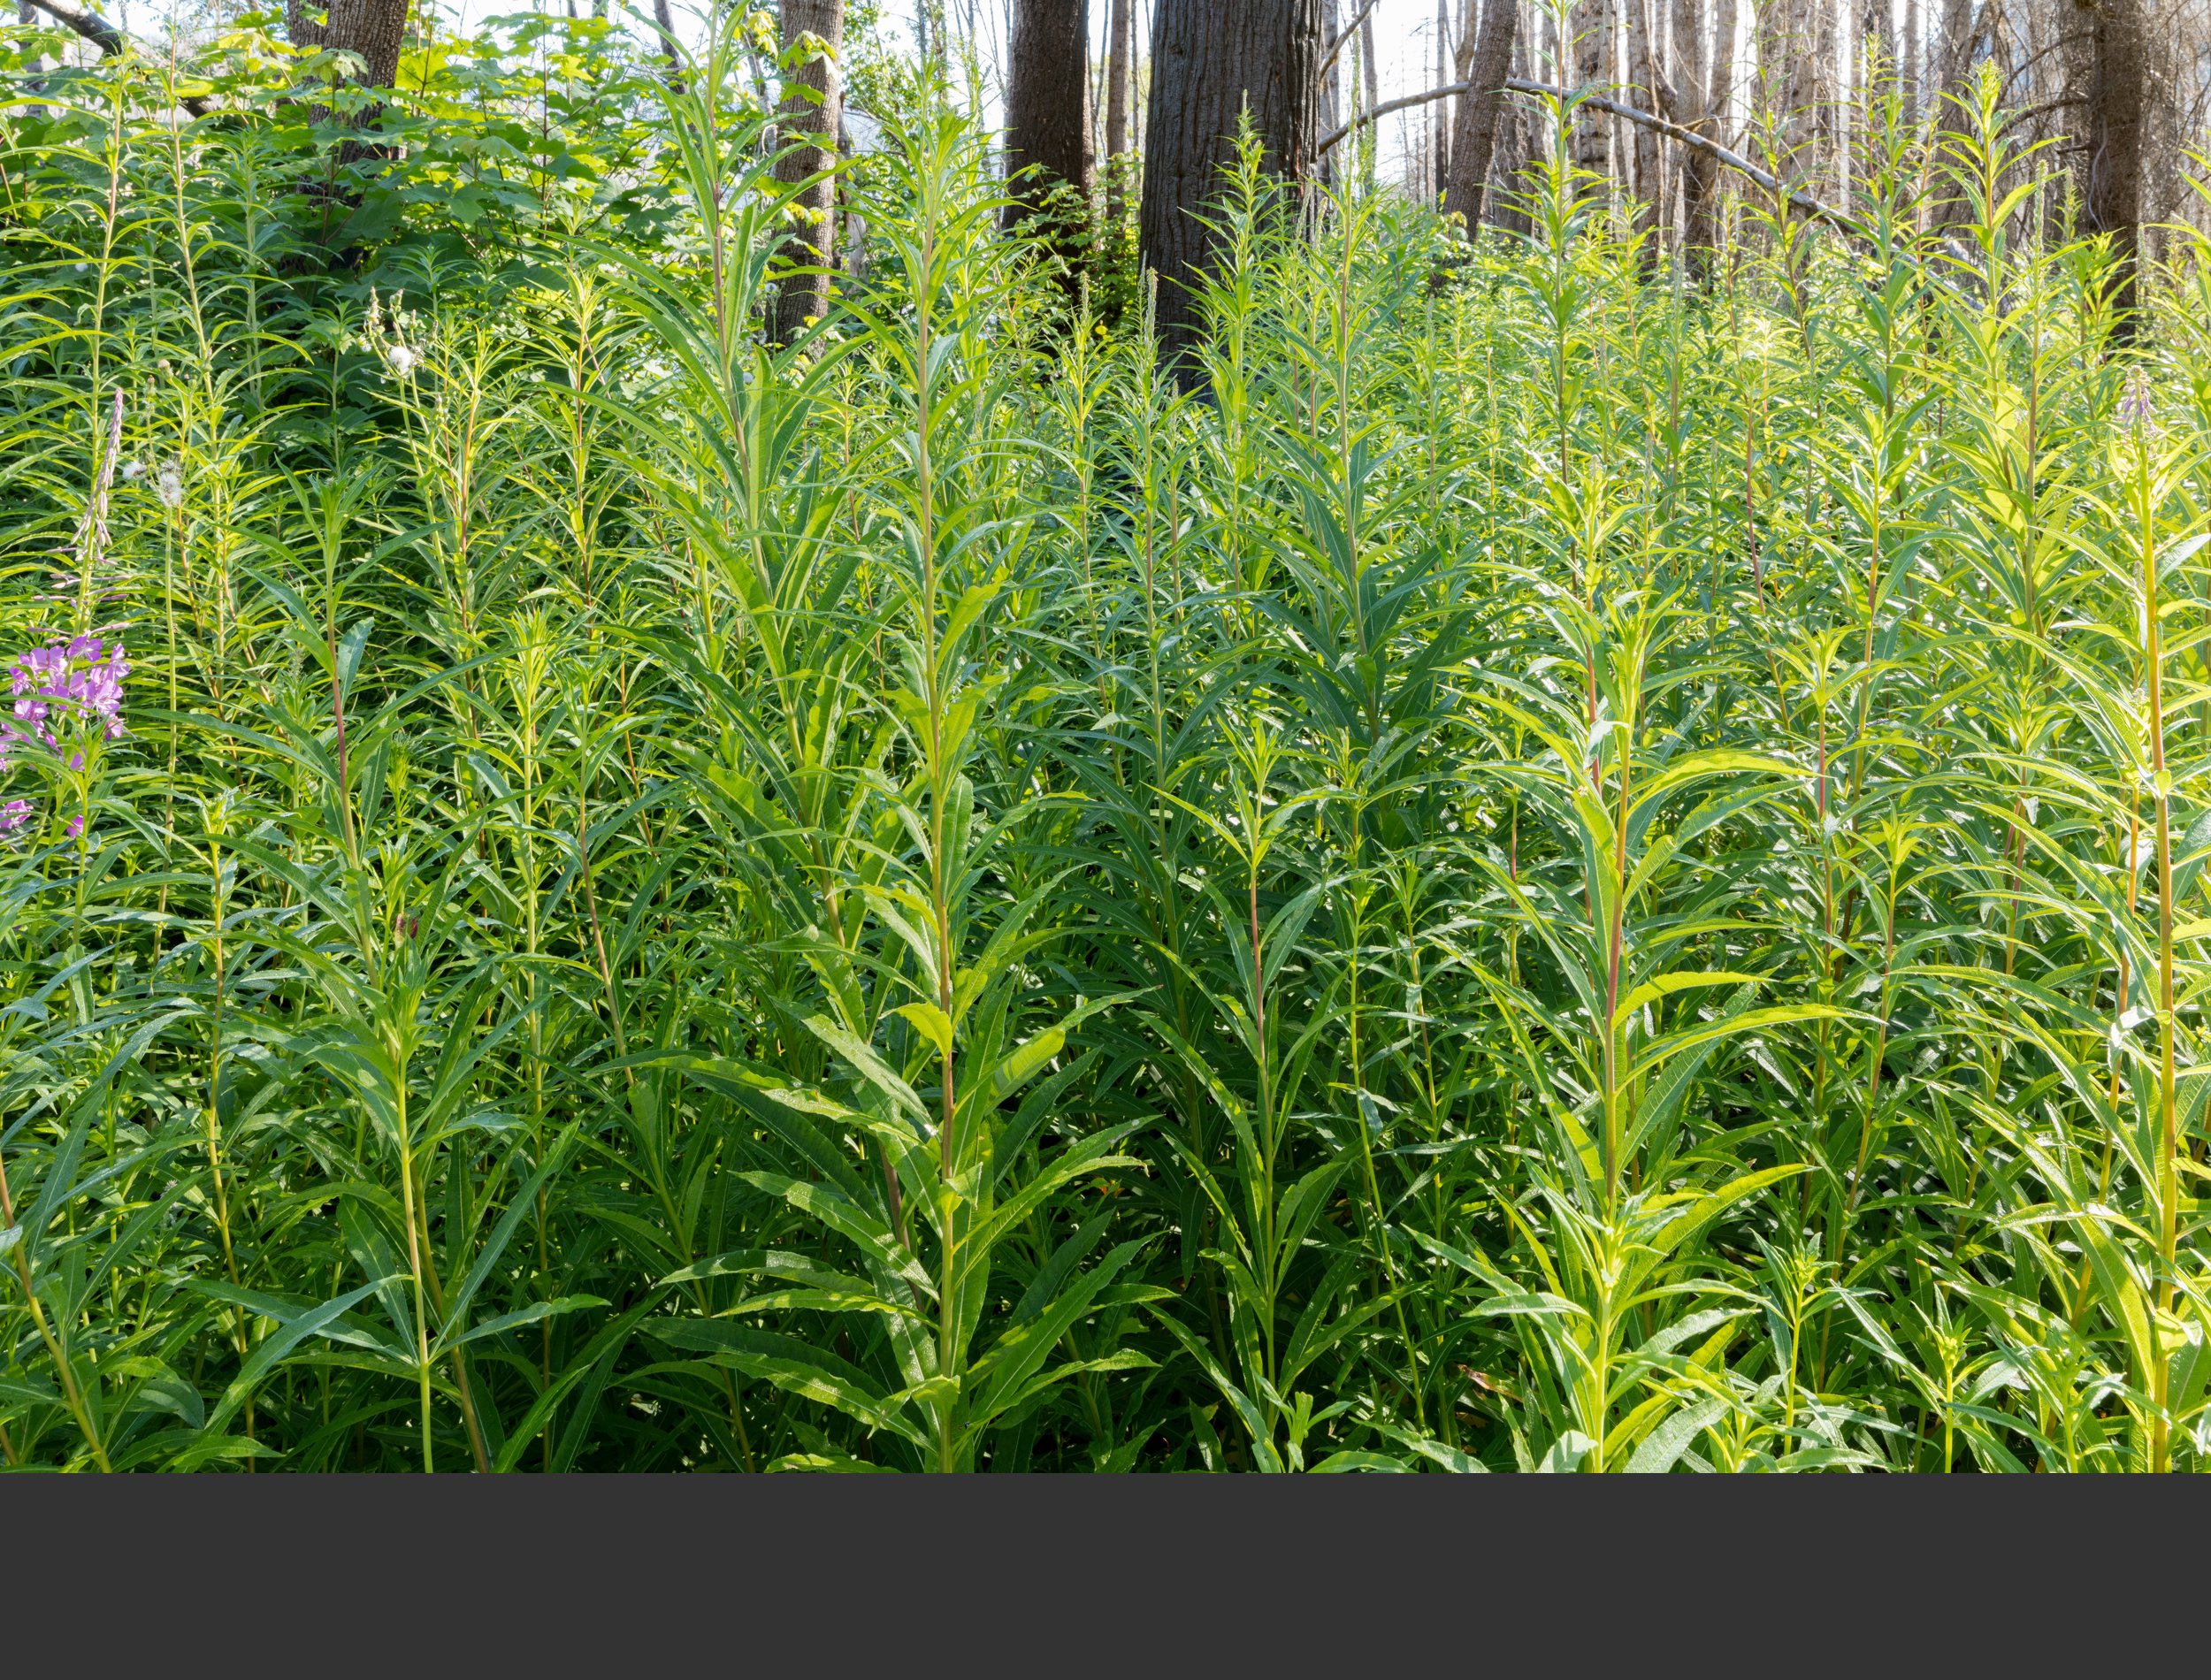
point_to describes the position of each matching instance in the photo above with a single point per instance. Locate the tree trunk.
(1589, 21)
(810, 113)
(1719, 88)
(1332, 113)
(1120, 76)
(2111, 74)
(1809, 47)
(1047, 103)
(1642, 76)
(1369, 61)
(664, 21)
(1515, 143)
(1475, 144)
(375, 29)
(1907, 63)
(1699, 175)
(1955, 49)
(1210, 60)
(1439, 118)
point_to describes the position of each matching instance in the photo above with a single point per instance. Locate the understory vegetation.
(1549, 863)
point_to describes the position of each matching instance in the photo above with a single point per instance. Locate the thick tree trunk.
(2111, 74)
(376, 29)
(1475, 144)
(1515, 142)
(810, 114)
(1211, 60)
(1048, 105)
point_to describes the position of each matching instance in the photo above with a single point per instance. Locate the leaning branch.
(1389, 105)
(1797, 200)
(86, 22)
(1336, 47)
(104, 36)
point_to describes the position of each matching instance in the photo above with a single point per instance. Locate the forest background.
(1056, 737)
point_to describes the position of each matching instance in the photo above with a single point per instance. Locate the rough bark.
(1587, 22)
(1440, 118)
(1474, 146)
(2111, 71)
(1694, 76)
(1643, 80)
(1048, 112)
(1515, 142)
(1808, 99)
(1211, 60)
(375, 29)
(811, 111)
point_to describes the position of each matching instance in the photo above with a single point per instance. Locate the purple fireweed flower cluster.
(64, 695)
(2136, 409)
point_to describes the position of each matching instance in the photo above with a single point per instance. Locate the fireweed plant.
(1526, 863)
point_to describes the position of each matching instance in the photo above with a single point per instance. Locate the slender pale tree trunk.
(1907, 62)
(810, 114)
(1121, 74)
(1719, 91)
(1691, 79)
(1370, 64)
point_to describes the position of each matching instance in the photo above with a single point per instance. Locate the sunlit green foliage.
(1549, 868)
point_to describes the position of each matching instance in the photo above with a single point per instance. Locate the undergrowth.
(1536, 866)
